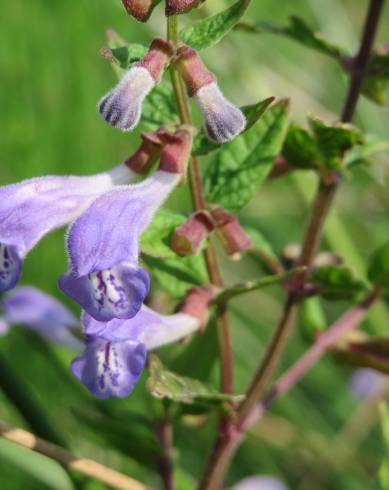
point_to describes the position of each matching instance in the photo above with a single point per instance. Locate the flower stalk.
(199, 203)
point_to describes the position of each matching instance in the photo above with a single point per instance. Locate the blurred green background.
(51, 79)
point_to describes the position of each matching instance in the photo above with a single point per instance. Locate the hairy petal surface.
(109, 368)
(103, 247)
(122, 106)
(223, 120)
(30, 307)
(32, 208)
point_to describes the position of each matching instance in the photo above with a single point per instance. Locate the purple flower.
(103, 246)
(116, 351)
(260, 483)
(109, 368)
(365, 383)
(122, 106)
(32, 208)
(223, 120)
(42, 313)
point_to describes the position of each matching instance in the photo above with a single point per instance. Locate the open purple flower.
(30, 307)
(32, 208)
(103, 247)
(122, 106)
(116, 351)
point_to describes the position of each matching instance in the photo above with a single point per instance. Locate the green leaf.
(372, 353)
(312, 318)
(210, 31)
(333, 141)
(131, 436)
(242, 165)
(176, 276)
(155, 241)
(299, 31)
(337, 283)
(125, 55)
(376, 85)
(159, 107)
(300, 148)
(166, 384)
(203, 145)
(378, 271)
(361, 154)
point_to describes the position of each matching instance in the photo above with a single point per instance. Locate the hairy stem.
(224, 448)
(199, 202)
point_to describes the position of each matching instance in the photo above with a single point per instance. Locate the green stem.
(199, 202)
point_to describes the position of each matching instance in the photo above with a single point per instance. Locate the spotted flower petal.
(122, 106)
(103, 247)
(34, 207)
(109, 368)
(115, 351)
(223, 120)
(148, 327)
(32, 308)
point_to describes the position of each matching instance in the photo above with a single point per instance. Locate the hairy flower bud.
(121, 107)
(174, 7)
(189, 237)
(233, 237)
(176, 150)
(140, 9)
(196, 304)
(146, 155)
(223, 120)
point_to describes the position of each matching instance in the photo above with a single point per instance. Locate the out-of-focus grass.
(51, 79)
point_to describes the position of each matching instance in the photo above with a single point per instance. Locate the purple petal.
(365, 382)
(148, 327)
(103, 247)
(122, 106)
(10, 267)
(42, 313)
(260, 483)
(110, 368)
(223, 120)
(34, 207)
(117, 292)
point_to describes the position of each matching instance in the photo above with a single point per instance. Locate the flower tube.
(34, 207)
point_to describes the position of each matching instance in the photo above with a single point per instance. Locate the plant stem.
(327, 339)
(199, 202)
(224, 448)
(85, 466)
(360, 63)
(165, 436)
